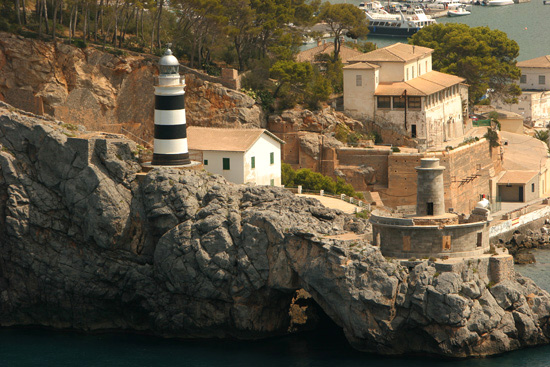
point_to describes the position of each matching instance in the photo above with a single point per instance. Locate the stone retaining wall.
(505, 230)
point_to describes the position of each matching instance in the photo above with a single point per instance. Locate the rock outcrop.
(104, 91)
(522, 242)
(89, 242)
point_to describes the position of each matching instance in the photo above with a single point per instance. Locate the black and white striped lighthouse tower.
(170, 128)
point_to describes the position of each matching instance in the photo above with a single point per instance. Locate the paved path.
(333, 203)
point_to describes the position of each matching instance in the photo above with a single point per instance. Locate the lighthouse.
(170, 147)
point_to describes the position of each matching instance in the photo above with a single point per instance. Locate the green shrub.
(395, 149)
(4, 25)
(492, 136)
(315, 181)
(79, 43)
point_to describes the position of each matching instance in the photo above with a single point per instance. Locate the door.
(413, 130)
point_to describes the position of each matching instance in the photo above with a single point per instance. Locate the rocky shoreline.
(522, 242)
(89, 242)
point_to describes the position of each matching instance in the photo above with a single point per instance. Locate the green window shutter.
(253, 162)
(272, 182)
(226, 165)
(271, 158)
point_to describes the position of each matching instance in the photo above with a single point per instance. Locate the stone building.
(396, 87)
(431, 231)
(534, 103)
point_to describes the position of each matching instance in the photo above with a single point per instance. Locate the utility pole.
(404, 95)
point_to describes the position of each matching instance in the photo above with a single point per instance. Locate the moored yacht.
(399, 24)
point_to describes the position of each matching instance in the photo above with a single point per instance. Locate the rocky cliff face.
(105, 92)
(88, 242)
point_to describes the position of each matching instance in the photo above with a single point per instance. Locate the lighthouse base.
(171, 159)
(194, 165)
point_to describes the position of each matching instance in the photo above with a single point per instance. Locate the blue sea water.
(326, 348)
(528, 24)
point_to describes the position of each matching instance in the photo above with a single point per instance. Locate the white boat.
(458, 12)
(500, 2)
(399, 24)
(370, 6)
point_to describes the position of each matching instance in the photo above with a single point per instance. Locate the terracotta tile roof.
(225, 140)
(517, 177)
(424, 85)
(398, 52)
(539, 62)
(327, 48)
(361, 65)
(522, 152)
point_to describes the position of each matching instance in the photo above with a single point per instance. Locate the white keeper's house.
(396, 87)
(240, 155)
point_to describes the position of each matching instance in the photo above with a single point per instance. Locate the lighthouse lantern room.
(170, 147)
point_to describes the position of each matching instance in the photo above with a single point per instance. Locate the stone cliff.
(89, 242)
(105, 92)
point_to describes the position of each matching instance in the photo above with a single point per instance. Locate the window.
(414, 102)
(206, 162)
(413, 72)
(523, 79)
(532, 187)
(542, 79)
(271, 158)
(407, 74)
(226, 165)
(479, 239)
(253, 162)
(383, 102)
(272, 182)
(358, 80)
(398, 102)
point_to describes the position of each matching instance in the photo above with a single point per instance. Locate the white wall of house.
(439, 120)
(240, 170)
(359, 100)
(416, 68)
(215, 164)
(392, 72)
(533, 106)
(535, 79)
(264, 173)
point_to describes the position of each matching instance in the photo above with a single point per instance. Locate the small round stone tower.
(170, 147)
(430, 199)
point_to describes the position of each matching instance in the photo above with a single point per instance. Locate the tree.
(343, 19)
(296, 73)
(485, 58)
(316, 181)
(544, 136)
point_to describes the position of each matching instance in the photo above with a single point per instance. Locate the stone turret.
(430, 199)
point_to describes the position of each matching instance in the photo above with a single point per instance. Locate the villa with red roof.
(396, 88)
